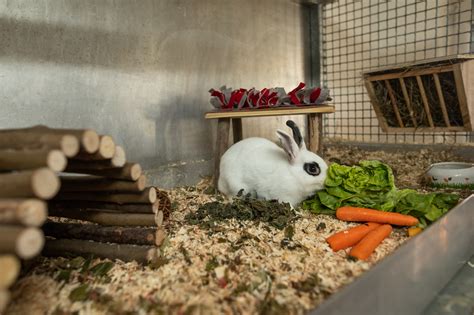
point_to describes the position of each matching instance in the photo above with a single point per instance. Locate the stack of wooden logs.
(83, 176)
(28, 167)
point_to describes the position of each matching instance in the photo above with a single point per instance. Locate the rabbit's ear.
(296, 134)
(288, 144)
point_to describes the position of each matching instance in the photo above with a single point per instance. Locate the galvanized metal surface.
(141, 70)
(406, 281)
(457, 298)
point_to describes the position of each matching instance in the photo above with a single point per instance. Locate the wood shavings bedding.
(240, 268)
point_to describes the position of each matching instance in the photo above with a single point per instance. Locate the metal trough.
(407, 280)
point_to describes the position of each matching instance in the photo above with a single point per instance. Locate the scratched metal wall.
(140, 70)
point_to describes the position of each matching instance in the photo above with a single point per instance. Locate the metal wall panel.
(141, 70)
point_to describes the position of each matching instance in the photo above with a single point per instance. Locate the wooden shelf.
(272, 111)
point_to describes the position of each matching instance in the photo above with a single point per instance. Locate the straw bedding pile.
(239, 267)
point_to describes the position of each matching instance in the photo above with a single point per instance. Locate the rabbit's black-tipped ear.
(288, 144)
(296, 133)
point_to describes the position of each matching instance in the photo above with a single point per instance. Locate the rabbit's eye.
(312, 168)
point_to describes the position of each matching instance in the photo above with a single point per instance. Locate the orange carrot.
(370, 215)
(414, 231)
(350, 237)
(369, 243)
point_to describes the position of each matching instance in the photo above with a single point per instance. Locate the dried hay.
(419, 113)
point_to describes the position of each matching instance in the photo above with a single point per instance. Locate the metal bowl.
(456, 174)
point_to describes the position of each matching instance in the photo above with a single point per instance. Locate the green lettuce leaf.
(371, 184)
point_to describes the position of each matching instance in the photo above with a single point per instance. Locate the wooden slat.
(237, 129)
(441, 100)
(426, 129)
(394, 104)
(273, 111)
(407, 101)
(452, 59)
(467, 70)
(409, 73)
(222, 143)
(373, 99)
(315, 132)
(425, 100)
(461, 92)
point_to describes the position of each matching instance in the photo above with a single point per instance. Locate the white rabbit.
(263, 169)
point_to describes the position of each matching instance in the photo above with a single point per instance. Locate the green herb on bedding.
(278, 215)
(185, 253)
(307, 285)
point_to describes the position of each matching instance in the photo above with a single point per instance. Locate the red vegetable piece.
(238, 96)
(232, 99)
(263, 101)
(292, 94)
(219, 95)
(314, 95)
(253, 98)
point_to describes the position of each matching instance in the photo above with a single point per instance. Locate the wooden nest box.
(431, 97)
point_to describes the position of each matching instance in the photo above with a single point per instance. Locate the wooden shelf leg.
(237, 129)
(315, 133)
(223, 128)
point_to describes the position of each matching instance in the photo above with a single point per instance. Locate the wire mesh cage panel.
(359, 36)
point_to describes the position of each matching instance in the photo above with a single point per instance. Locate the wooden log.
(124, 252)
(41, 183)
(99, 233)
(92, 183)
(24, 242)
(88, 139)
(28, 212)
(160, 236)
(106, 147)
(106, 218)
(89, 167)
(10, 269)
(4, 300)
(21, 139)
(130, 171)
(31, 159)
(119, 159)
(159, 218)
(147, 196)
(106, 150)
(107, 206)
